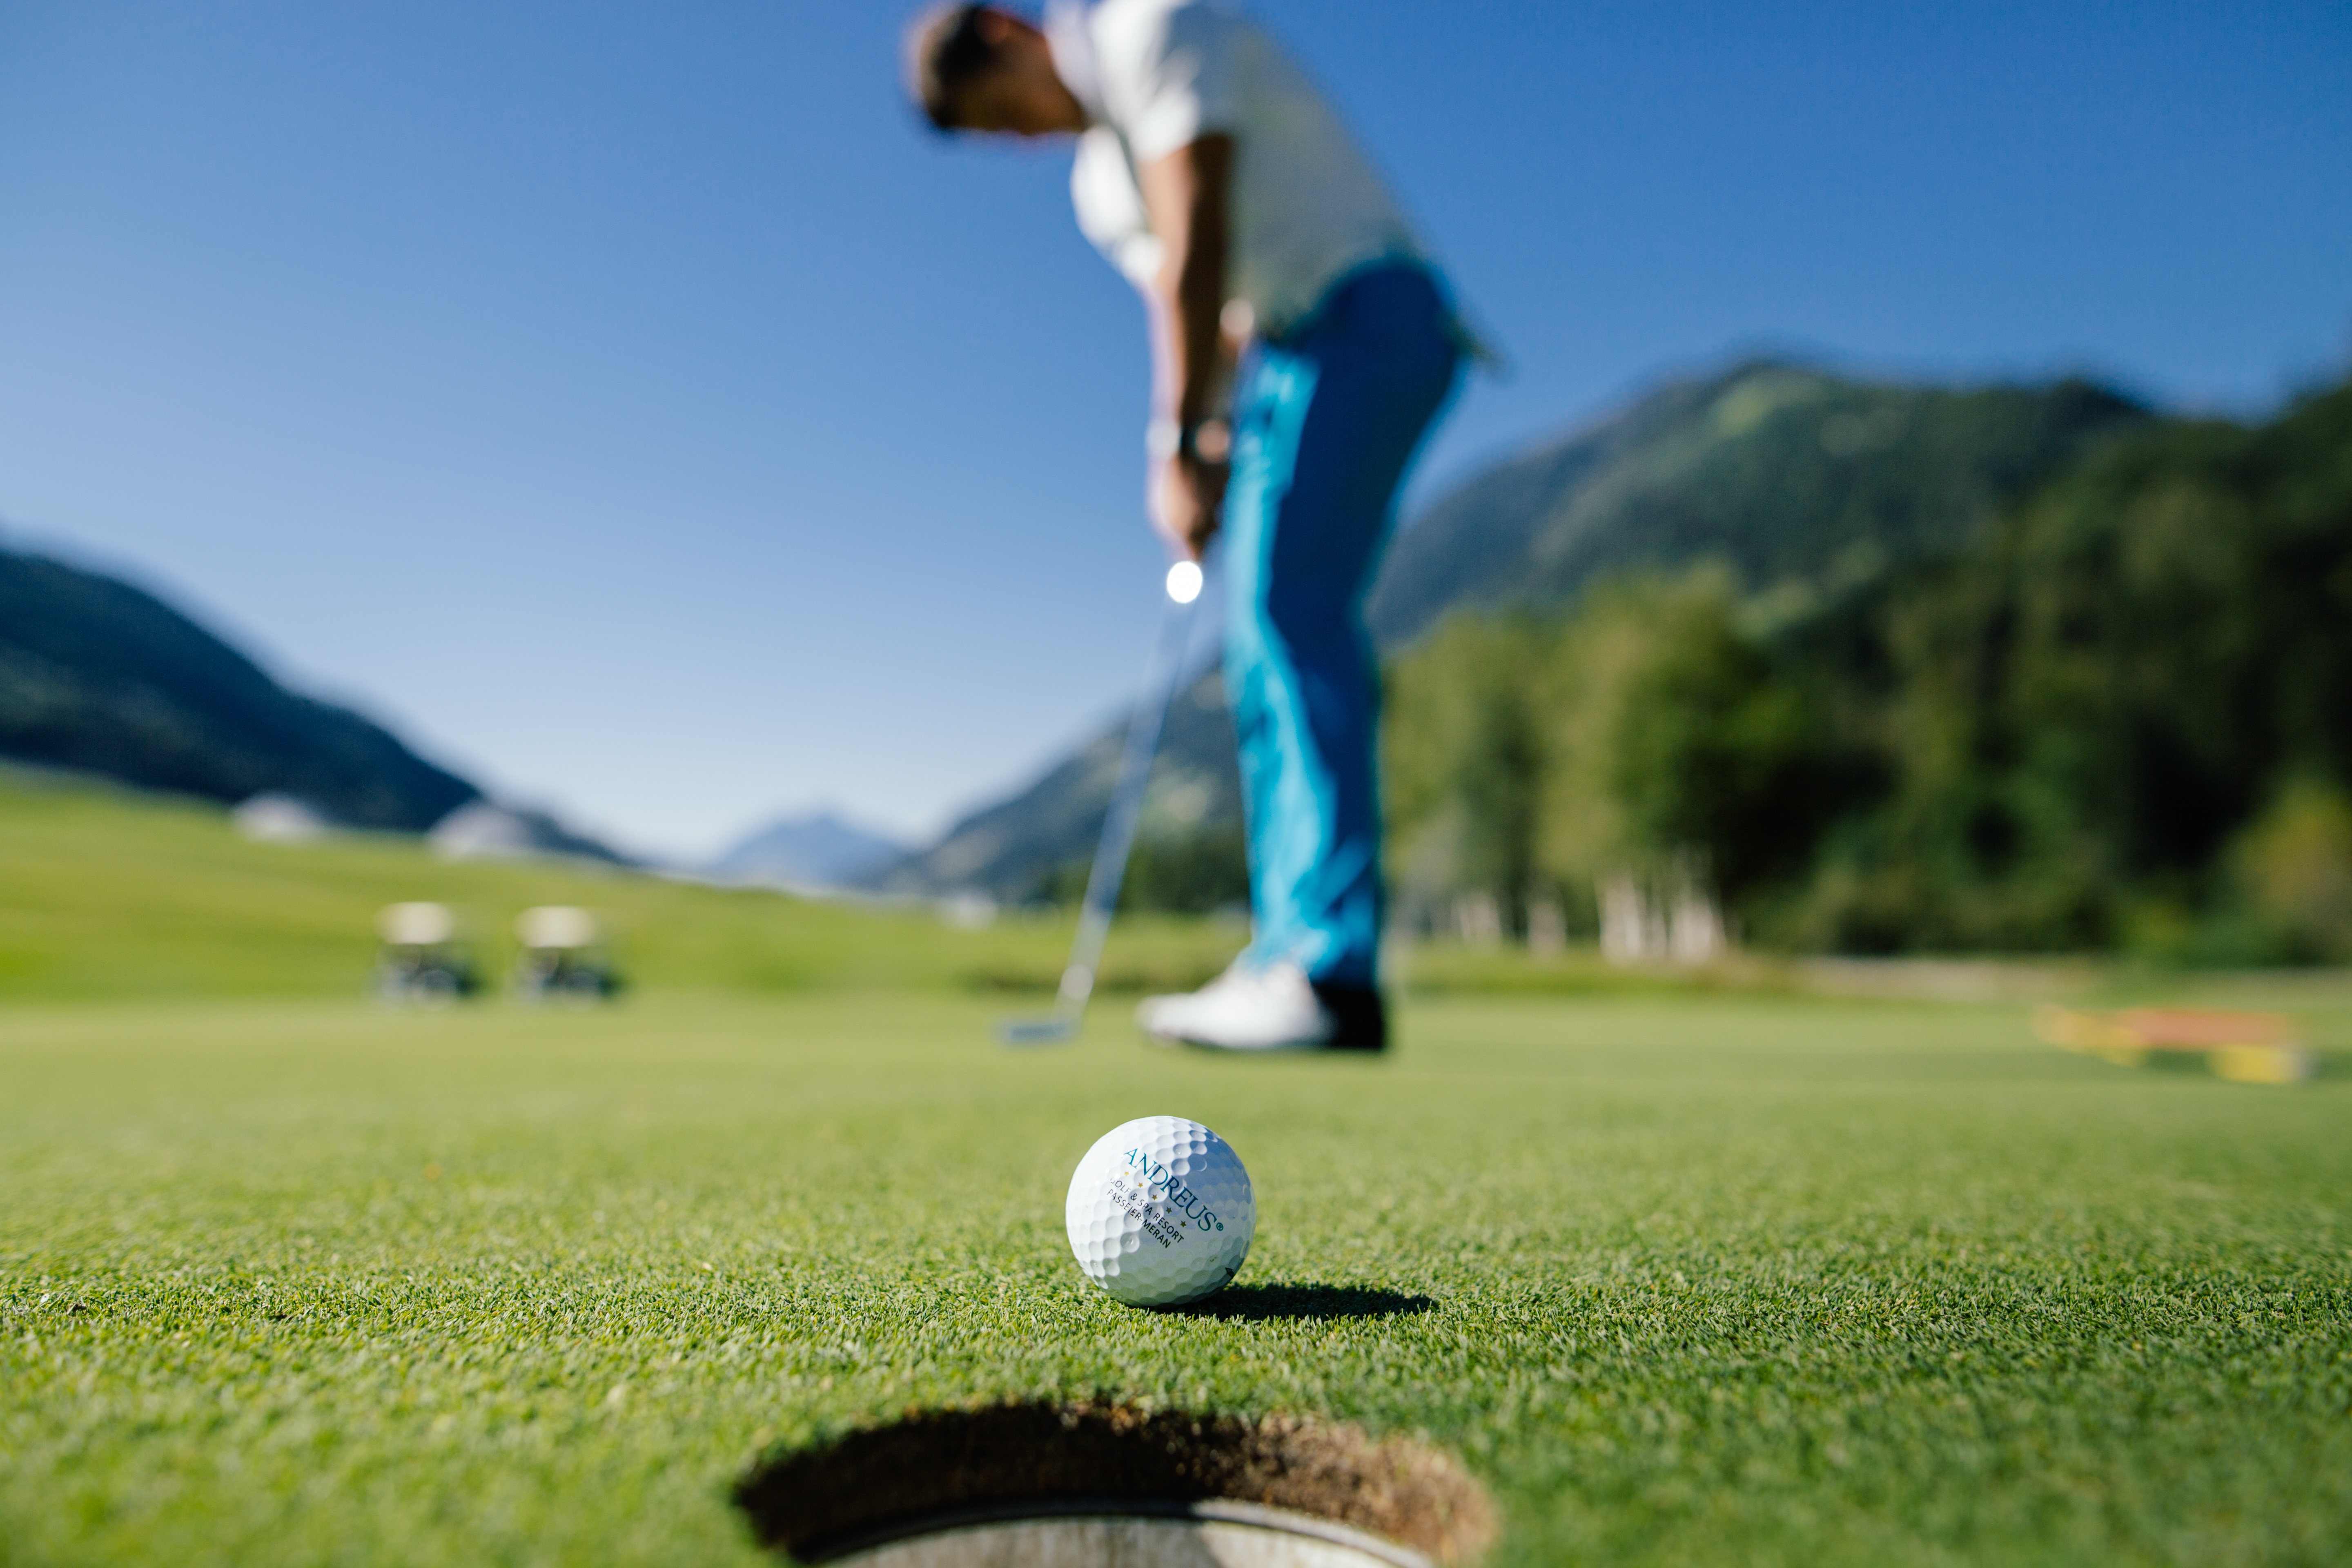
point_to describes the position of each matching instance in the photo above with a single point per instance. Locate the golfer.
(1302, 344)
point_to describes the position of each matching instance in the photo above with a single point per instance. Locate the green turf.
(106, 894)
(1709, 1280)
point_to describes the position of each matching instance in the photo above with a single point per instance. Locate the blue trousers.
(1326, 420)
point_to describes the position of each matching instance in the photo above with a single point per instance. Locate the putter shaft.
(1117, 841)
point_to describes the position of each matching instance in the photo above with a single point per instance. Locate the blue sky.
(631, 407)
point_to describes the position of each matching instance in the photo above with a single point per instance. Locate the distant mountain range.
(1007, 850)
(101, 677)
(1792, 474)
(814, 851)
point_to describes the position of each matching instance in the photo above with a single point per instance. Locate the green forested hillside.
(2118, 717)
(99, 675)
(1033, 844)
(1784, 471)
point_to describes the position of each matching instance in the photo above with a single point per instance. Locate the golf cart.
(421, 963)
(562, 959)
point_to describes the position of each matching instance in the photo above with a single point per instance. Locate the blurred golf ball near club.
(1161, 1212)
(1184, 581)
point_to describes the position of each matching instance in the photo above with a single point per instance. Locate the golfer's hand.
(1188, 493)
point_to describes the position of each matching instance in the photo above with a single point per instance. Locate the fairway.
(1696, 1280)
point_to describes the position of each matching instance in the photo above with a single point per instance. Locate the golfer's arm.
(1189, 196)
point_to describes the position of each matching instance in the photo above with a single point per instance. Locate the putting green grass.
(1753, 1280)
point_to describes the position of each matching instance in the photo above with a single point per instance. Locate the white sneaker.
(1249, 1008)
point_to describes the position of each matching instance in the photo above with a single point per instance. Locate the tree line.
(2118, 717)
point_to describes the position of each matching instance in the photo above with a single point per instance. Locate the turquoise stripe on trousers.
(1326, 421)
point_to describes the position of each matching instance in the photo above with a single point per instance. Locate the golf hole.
(1041, 1485)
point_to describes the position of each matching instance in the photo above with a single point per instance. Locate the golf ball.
(1159, 1212)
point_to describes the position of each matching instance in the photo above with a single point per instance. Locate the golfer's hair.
(945, 53)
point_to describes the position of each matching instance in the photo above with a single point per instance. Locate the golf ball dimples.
(1159, 1212)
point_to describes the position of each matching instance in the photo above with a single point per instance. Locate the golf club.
(1109, 868)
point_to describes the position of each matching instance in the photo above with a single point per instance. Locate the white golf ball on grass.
(1161, 1212)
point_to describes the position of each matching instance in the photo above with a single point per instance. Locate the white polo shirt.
(1156, 75)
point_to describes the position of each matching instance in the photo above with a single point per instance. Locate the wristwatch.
(1207, 441)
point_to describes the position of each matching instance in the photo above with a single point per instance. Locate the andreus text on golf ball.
(1161, 1212)
(1146, 1180)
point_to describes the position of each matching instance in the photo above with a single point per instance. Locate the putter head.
(1062, 1024)
(1046, 1031)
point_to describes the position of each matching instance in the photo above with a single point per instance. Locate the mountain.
(1011, 850)
(1788, 472)
(1784, 471)
(819, 850)
(99, 675)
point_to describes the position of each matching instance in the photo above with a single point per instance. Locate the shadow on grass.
(1257, 1303)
